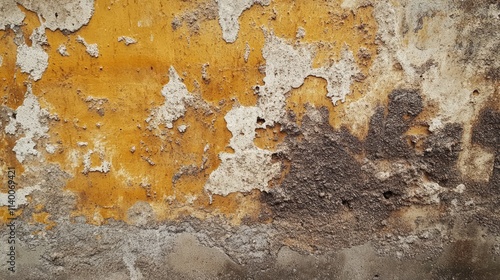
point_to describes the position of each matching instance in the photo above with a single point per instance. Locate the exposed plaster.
(105, 166)
(68, 15)
(249, 167)
(29, 122)
(287, 67)
(10, 15)
(92, 49)
(247, 52)
(229, 13)
(127, 40)
(62, 50)
(339, 76)
(176, 96)
(32, 60)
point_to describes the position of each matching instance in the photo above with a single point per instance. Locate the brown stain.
(131, 78)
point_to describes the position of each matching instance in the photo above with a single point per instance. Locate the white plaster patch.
(339, 76)
(38, 36)
(51, 149)
(127, 40)
(242, 172)
(105, 166)
(68, 15)
(249, 167)
(10, 15)
(176, 96)
(229, 13)
(28, 122)
(1, 61)
(32, 60)
(92, 49)
(435, 124)
(242, 122)
(287, 67)
(460, 188)
(62, 50)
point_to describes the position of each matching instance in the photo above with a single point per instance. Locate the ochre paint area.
(102, 103)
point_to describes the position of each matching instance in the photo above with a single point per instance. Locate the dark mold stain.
(441, 151)
(386, 133)
(333, 195)
(486, 133)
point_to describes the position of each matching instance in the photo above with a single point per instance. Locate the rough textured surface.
(250, 139)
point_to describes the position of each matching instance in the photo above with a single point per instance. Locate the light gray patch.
(10, 15)
(68, 15)
(32, 60)
(229, 13)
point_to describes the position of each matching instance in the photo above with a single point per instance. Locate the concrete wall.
(250, 139)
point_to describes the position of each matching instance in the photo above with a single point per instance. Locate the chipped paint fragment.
(127, 40)
(229, 13)
(249, 167)
(68, 15)
(10, 15)
(92, 49)
(339, 76)
(62, 50)
(176, 97)
(32, 60)
(182, 128)
(30, 122)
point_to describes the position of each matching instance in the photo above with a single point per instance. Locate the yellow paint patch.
(43, 218)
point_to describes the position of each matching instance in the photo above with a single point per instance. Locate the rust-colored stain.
(128, 80)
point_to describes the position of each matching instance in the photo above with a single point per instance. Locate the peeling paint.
(127, 40)
(32, 60)
(10, 15)
(294, 139)
(30, 121)
(251, 167)
(68, 15)
(62, 50)
(176, 96)
(92, 49)
(229, 13)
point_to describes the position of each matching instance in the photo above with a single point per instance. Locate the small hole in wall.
(346, 203)
(375, 277)
(260, 121)
(388, 194)
(56, 15)
(151, 67)
(14, 115)
(475, 92)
